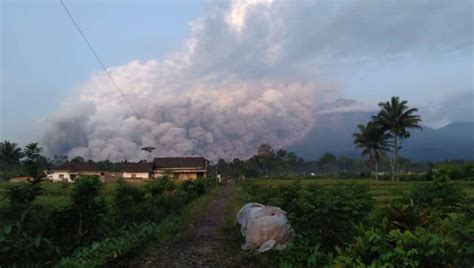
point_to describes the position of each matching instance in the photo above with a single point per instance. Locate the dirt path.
(203, 245)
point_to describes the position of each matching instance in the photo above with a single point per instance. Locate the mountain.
(335, 123)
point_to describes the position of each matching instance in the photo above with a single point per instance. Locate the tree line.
(380, 140)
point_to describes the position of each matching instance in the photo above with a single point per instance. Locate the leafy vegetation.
(340, 224)
(373, 142)
(90, 222)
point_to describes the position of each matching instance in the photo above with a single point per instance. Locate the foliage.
(22, 196)
(440, 194)
(10, 155)
(87, 205)
(396, 117)
(16, 243)
(374, 142)
(430, 225)
(129, 202)
(375, 247)
(35, 164)
(100, 253)
(82, 221)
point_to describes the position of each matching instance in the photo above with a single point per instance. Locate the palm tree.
(396, 117)
(374, 142)
(10, 154)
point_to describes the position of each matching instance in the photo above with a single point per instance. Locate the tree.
(10, 154)
(265, 150)
(326, 161)
(374, 142)
(35, 164)
(396, 117)
(77, 159)
(59, 160)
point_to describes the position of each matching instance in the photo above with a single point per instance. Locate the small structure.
(70, 171)
(137, 172)
(180, 168)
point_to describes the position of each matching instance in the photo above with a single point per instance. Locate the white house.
(72, 170)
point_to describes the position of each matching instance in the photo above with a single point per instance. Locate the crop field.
(381, 191)
(55, 196)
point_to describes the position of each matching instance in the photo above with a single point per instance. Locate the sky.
(44, 59)
(219, 77)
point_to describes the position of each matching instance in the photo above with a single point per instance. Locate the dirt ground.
(204, 245)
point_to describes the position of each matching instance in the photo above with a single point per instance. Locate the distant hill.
(334, 127)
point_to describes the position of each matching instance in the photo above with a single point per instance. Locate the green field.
(382, 191)
(57, 194)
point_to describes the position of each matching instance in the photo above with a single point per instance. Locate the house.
(180, 168)
(72, 170)
(137, 172)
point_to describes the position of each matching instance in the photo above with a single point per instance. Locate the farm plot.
(359, 223)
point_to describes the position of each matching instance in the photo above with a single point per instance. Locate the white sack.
(244, 215)
(263, 227)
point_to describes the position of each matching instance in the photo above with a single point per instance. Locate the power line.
(103, 65)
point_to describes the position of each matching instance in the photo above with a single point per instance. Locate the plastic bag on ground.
(264, 227)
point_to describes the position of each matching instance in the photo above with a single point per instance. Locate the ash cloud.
(250, 73)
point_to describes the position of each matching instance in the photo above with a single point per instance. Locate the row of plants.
(340, 225)
(90, 223)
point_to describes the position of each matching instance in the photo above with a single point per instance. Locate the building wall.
(184, 176)
(68, 176)
(59, 176)
(138, 175)
(109, 176)
(180, 174)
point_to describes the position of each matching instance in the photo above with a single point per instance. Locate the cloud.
(455, 106)
(250, 73)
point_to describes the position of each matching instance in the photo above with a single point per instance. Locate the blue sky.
(43, 58)
(274, 60)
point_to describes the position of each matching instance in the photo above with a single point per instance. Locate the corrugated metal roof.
(138, 167)
(179, 162)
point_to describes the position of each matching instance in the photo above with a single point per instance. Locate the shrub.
(19, 247)
(100, 253)
(22, 196)
(328, 214)
(129, 201)
(439, 194)
(89, 208)
(375, 247)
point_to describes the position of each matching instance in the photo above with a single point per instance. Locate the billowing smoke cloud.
(249, 74)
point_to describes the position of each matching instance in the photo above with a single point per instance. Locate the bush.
(19, 247)
(129, 201)
(88, 206)
(328, 214)
(376, 247)
(100, 253)
(440, 194)
(22, 196)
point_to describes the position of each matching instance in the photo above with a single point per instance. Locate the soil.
(204, 245)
